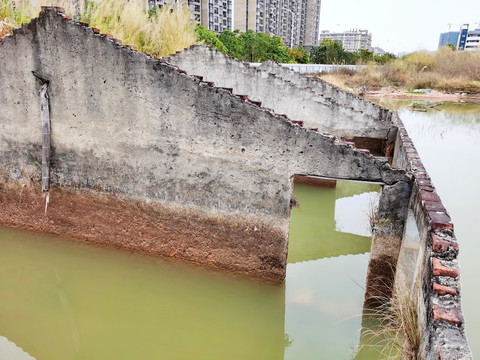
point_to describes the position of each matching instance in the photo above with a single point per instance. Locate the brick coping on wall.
(442, 298)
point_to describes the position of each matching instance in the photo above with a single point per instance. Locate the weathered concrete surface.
(388, 225)
(135, 128)
(326, 90)
(316, 109)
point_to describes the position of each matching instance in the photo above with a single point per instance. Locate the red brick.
(429, 196)
(259, 103)
(132, 47)
(433, 206)
(109, 36)
(95, 30)
(440, 270)
(443, 290)
(423, 182)
(423, 175)
(389, 152)
(426, 188)
(412, 156)
(68, 17)
(364, 151)
(440, 220)
(451, 316)
(440, 245)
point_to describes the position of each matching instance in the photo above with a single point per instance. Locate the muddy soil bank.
(216, 240)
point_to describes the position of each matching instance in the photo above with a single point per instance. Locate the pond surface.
(447, 141)
(66, 300)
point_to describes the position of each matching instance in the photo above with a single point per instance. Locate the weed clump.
(160, 33)
(394, 329)
(14, 14)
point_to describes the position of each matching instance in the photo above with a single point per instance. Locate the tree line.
(259, 47)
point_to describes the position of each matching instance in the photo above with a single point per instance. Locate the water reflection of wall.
(315, 232)
(326, 273)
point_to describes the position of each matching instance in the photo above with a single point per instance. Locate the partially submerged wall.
(326, 111)
(202, 174)
(428, 266)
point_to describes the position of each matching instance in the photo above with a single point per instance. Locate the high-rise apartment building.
(450, 37)
(216, 15)
(352, 40)
(297, 22)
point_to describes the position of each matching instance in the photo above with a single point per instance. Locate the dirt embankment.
(236, 245)
(432, 96)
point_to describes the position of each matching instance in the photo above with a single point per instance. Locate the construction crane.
(450, 26)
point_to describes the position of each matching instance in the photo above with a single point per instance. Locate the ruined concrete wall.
(327, 90)
(298, 102)
(433, 279)
(132, 128)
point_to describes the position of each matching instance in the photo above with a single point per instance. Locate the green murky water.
(447, 141)
(64, 300)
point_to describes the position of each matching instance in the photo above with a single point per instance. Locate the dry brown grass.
(15, 13)
(5, 29)
(396, 330)
(169, 30)
(161, 34)
(444, 69)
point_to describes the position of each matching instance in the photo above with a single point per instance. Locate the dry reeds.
(5, 29)
(14, 14)
(395, 332)
(160, 33)
(445, 69)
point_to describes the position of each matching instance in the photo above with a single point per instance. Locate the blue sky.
(399, 26)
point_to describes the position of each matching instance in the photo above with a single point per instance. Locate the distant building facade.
(450, 37)
(216, 15)
(464, 39)
(297, 22)
(473, 40)
(352, 40)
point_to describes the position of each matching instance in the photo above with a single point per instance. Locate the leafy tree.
(268, 47)
(208, 37)
(383, 59)
(451, 46)
(328, 52)
(299, 55)
(233, 43)
(248, 39)
(365, 55)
